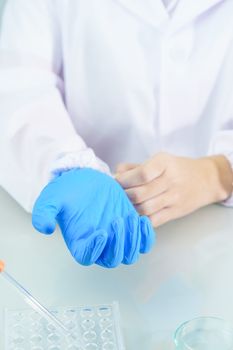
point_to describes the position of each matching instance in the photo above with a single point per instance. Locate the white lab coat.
(118, 77)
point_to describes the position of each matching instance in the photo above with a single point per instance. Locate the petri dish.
(204, 333)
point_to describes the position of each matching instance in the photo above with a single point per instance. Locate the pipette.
(32, 301)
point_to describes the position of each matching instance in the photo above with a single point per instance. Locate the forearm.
(38, 138)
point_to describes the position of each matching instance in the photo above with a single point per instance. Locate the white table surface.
(188, 274)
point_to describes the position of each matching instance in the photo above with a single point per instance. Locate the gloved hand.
(98, 222)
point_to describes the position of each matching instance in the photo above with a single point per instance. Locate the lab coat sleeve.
(37, 136)
(222, 143)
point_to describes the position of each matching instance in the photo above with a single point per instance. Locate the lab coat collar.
(151, 11)
(186, 11)
(155, 13)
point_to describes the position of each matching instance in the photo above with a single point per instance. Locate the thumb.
(122, 167)
(44, 214)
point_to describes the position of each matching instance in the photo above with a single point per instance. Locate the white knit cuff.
(81, 159)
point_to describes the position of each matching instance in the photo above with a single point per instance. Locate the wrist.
(219, 177)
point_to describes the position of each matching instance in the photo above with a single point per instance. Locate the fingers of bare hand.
(153, 205)
(163, 216)
(140, 175)
(122, 167)
(143, 193)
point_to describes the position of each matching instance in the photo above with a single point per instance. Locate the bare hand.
(167, 187)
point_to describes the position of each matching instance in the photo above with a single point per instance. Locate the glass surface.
(204, 333)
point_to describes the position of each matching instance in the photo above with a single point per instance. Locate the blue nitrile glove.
(97, 220)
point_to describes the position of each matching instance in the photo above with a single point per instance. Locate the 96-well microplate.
(91, 328)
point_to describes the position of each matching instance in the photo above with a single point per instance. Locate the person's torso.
(138, 81)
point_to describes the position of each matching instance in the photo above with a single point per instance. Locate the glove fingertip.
(100, 242)
(86, 252)
(43, 224)
(133, 242)
(148, 235)
(131, 261)
(118, 226)
(113, 253)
